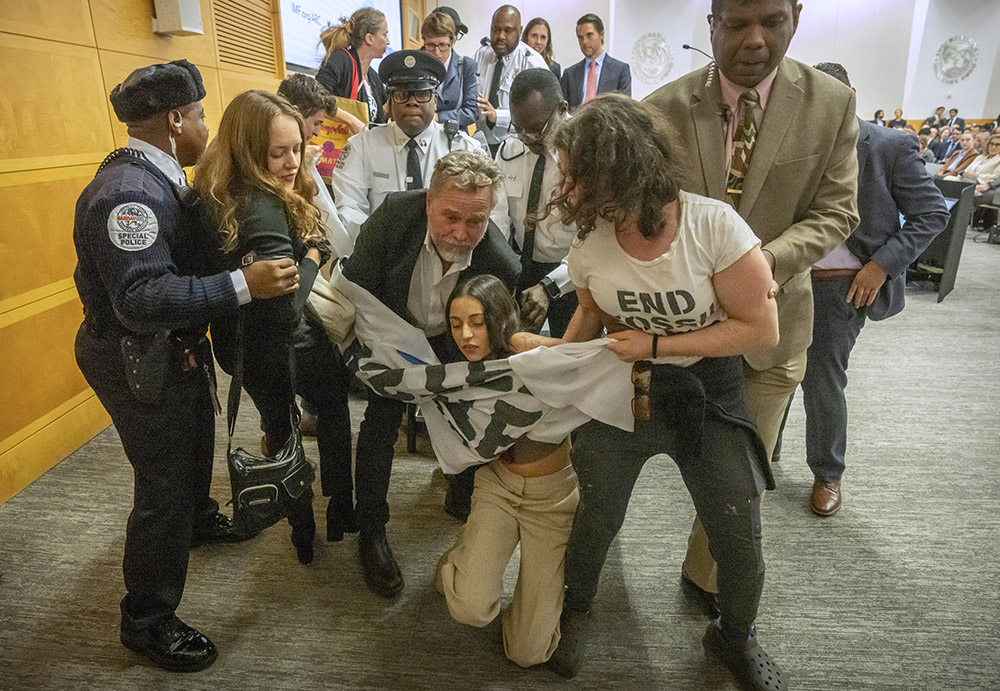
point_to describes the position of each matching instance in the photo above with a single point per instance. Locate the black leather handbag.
(264, 488)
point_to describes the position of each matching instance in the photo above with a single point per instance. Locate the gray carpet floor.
(897, 591)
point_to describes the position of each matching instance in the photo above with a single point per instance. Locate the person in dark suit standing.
(598, 72)
(865, 277)
(954, 121)
(410, 255)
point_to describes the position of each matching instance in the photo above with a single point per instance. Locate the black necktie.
(494, 99)
(414, 178)
(530, 222)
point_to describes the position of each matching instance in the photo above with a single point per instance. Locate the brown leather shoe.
(825, 498)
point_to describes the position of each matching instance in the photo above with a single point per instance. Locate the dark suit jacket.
(615, 76)
(390, 241)
(800, 192)
(556, 69)
(457, 100)
(956, 122)
(893, 180)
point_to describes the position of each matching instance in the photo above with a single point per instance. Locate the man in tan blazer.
(799, 190)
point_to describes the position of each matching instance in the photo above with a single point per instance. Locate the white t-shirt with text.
(672, 293)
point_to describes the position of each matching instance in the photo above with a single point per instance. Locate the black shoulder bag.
(264, 488)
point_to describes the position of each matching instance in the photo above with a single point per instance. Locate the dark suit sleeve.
(335, 74)
(467, 110)
(375, 246)
(920, 202)
(625, 79)
(564, 84)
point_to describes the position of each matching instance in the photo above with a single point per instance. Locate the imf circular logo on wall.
(652, 58)
(956, 59)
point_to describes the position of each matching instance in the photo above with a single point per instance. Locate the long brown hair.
(350, 33)
(620, 165)
(547, 53)
(234, 167)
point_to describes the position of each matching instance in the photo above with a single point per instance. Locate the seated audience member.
(879, 118)
(350, 48)
(538, 35)
(401, 155)
(531, 176)
(253, 186)
(961, 158)
(527, 495)
(925, 153)
(936, 120)
(985, 168)
(457, 91)
(947, 145)
(320, 376)
(897, 119)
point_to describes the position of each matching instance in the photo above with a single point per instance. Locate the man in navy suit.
(863, 278)
(954, 121)
(598, 72)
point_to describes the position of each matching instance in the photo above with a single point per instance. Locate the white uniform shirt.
(523, 57)
(552, 238)
(430, 287)
(373, 164)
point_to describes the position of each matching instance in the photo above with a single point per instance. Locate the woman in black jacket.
(252, 185)
(350, 49)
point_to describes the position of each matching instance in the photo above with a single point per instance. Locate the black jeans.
(322, 379)
(170, 446)
(723, 486)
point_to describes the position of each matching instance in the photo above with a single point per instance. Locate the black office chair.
(939, 262)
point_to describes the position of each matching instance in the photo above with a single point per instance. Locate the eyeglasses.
(438, 47)
(531, 137)
(404, 95)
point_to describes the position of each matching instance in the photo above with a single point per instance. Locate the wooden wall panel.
(46, 374)
(117, 66)
(58, 20)
(235, 83)
(59, 116)
(36, 248)
(126, 27)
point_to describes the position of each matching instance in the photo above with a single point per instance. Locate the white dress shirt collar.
(167, 164)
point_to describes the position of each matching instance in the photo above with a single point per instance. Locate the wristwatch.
(550, 288)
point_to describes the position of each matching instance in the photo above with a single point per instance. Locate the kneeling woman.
(528, 494)
(251, 181)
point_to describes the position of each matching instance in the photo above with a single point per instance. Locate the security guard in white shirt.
(401, 155)
(531, 176)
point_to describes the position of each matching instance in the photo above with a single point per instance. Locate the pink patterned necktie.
(591, 82)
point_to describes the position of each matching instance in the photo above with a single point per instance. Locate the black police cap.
(157, 89)
(411, 69)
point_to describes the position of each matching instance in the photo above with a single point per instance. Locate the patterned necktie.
(414, 178)
(743, 143)
(591, 89)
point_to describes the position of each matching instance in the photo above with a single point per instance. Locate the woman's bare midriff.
(529, 458)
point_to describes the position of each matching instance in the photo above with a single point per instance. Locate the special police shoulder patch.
(132, 226)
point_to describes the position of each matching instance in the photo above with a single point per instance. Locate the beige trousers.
(507, 509)
(766, 395)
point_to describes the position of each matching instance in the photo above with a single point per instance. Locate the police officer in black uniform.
(147, 299)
